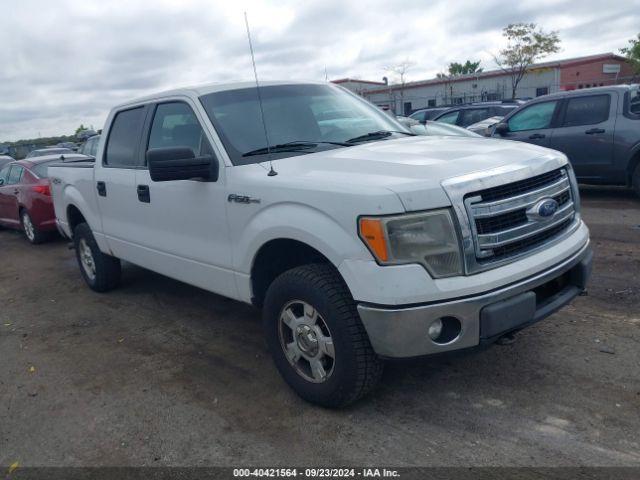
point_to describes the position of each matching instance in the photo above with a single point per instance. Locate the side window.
(124, 136)
(533, 118)
(473, 115)
(92, 146)
(450, 118)
(634, 101)
(586, 110)
(15, 174)
(4, 174)
(175, 125)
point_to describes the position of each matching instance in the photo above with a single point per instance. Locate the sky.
(67, 62)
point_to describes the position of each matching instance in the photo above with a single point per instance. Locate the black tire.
(107, 268)
(356, 369)
(30, 231)
(635, 180)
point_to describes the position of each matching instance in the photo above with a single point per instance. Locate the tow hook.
(507, 339)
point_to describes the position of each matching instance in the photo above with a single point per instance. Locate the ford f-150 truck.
(360, 241)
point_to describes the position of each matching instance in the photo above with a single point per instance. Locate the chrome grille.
(503, 223)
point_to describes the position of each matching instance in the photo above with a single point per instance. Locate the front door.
(9, 191)
(533, 124)
(585, 134)
(182, 224)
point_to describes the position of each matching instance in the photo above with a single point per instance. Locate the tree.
(526, 43)
(465, 68)
(400, 72)
(632, 52)
(80, 129)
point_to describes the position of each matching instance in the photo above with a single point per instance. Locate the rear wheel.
(316, 338)
(32, 233)
(100, 271)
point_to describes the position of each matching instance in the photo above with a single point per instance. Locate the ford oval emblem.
(545, 208)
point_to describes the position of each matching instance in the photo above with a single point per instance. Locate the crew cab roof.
(211, 88)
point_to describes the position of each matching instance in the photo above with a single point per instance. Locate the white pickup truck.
(359, 240)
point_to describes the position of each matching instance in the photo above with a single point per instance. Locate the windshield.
(323, 115)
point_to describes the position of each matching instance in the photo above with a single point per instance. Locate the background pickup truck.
(359, 240)
(597, 128)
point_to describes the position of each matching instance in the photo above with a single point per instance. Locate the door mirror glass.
(180, 163)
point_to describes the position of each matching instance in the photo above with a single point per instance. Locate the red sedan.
(25, 198)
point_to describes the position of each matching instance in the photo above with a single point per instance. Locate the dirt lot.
(160, 373)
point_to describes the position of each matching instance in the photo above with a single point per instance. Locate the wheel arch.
(275, 257)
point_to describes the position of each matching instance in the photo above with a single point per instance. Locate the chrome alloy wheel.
(29, 229)
(306, 341)
(86, 259)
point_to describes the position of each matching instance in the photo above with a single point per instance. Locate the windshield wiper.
(292, 147)
(377, 135)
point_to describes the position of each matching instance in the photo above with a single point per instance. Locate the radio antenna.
(272, 172)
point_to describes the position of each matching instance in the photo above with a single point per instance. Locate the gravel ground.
(161, 373)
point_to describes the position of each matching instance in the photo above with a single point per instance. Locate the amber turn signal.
(372, 232)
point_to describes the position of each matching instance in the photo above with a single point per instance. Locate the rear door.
(9, 195)
(585, 133)
(534, 123)
(115, 181)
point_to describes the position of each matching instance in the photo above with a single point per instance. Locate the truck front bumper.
(403, 332)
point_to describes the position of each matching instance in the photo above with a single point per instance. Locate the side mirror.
(180, 163)
(1, 181)
(501, 128)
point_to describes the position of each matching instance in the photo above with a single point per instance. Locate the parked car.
(466, 115)
(90, 147)
(25, 198)
(434, 128)
(69, 145)
(428, 113)
(4, 159)
(485, 127)
(359, 240)
(597, 128)
(41, 152)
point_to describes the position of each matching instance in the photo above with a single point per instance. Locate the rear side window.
(586, 110)
(4, 174)
(175, 125)
(15, 174)
(535, 117)
(450, 118)
(123, 138)
(473, 115)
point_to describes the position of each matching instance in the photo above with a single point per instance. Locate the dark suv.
(597, 128)
(466, 115)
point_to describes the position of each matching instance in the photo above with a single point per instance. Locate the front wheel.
(316, 338)
(100, 271)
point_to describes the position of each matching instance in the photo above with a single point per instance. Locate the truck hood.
(412, 167)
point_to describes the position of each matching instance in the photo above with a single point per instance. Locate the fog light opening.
(444, 330)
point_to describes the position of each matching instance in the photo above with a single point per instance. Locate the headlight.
(428, 238)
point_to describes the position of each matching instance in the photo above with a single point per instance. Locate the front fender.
(295, 221)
